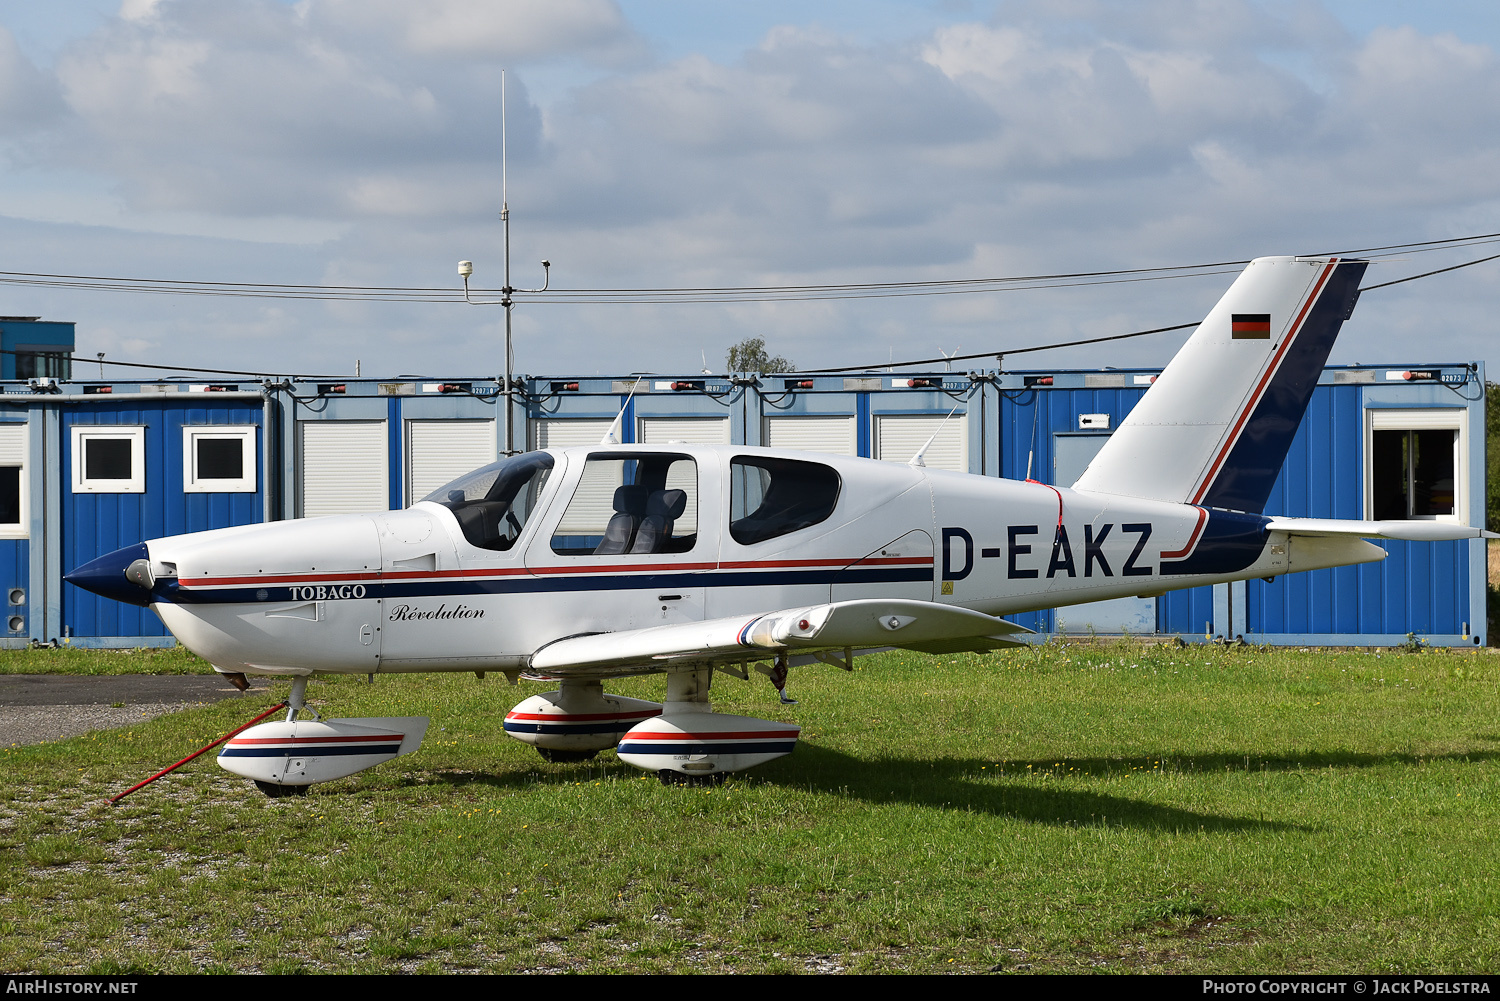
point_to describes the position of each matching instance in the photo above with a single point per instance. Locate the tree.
(750, 355)
(1492, 453)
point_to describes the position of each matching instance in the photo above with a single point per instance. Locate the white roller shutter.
(14, 504)
(560, 433)
(344, 469)
(438, 452)
(897, 439)
(813, 434)
(690, 430)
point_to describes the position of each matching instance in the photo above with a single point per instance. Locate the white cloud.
(511, 31)
(361, 138)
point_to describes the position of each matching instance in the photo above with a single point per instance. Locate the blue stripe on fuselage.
(1230, 543)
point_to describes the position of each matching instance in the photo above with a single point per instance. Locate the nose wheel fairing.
(701, 742)
(682, 736)
(578, 718)
(301, 752)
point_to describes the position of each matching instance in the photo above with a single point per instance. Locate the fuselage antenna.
(917, 459)
(612, 436)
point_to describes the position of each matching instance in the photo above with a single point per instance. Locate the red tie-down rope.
(114, 800)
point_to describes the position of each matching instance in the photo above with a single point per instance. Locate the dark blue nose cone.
(106, 576)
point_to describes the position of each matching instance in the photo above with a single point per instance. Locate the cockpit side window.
(493, 504)
(631, 505)
(775, 497)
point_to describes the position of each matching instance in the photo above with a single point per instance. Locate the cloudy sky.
(677, 143)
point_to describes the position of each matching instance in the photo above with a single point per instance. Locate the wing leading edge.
(862, 624)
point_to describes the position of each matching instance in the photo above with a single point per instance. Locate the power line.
(667, 294)
(784, 293)
(999, 355)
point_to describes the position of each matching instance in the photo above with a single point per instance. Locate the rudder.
(1215, 427)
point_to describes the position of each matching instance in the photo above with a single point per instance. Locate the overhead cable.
(725, 293)
(1001, 354)
(663, 295)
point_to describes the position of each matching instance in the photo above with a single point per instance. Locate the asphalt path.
(38, 707)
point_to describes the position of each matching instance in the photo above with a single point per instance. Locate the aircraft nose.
(107, 576)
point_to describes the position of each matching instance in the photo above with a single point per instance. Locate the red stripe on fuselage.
(1192, 539)
(367, 577)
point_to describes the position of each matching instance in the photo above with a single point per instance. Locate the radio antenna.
(507, 291)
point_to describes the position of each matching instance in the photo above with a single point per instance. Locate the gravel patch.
(38, 707)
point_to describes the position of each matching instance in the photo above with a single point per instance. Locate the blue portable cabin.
(100, 466)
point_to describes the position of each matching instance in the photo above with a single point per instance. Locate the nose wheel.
(673, 778)
(558, 757)
(277, 791)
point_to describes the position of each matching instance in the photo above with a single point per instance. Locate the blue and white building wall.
(102, 470)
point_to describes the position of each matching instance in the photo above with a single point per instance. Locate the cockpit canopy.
(493, 503)
(638, 502)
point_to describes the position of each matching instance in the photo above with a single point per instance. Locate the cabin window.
(774, 497)
(219, 459)
(14, 519)
(493, 504)
(1415, 465)
(109, 459)
(632, 504)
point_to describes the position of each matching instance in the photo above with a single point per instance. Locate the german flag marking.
(1250, 326)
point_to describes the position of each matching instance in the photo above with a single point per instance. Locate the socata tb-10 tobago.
(577, 565)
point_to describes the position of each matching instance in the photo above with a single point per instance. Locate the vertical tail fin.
(1215, 427)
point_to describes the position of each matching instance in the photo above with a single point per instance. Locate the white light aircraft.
(578, 565)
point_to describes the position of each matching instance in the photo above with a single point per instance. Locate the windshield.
(492, 504)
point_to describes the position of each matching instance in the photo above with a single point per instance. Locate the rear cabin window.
(631, 505)
(494, 503)
(775, 497)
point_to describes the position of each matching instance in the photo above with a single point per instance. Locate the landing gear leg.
(297, 700)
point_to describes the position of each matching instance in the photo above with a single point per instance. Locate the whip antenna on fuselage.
(612, 436)
(916, 460)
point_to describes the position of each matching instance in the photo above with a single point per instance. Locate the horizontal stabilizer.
(1410, 531)
(864, 623)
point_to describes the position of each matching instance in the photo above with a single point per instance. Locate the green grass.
(73, 660)
(1110, 808)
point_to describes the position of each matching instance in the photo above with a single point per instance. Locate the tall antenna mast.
(507, 291)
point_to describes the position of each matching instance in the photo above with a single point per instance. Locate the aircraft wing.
(1410, 531)
(864, 624)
